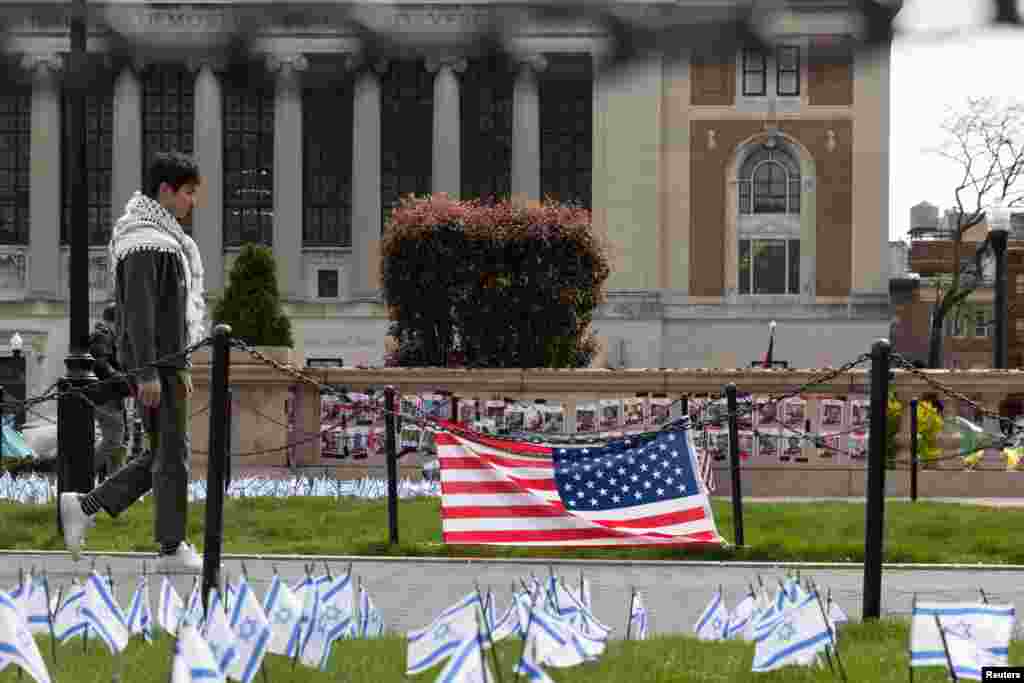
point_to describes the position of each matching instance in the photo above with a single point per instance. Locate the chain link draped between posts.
(730, 416)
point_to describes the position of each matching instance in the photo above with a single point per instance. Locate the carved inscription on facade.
(455, 17)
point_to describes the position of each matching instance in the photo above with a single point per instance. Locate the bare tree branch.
(986, 140)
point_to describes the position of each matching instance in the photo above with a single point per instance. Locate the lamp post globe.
(17, 344)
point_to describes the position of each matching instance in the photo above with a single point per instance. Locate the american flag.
(629, 491)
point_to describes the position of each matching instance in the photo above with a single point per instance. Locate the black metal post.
(217, 458)
(913, 450)
(17, 387)
(3, 413)
(684, 406)
(75, 426)
(997, 238)
(874, 527)
(734, 464)
(79, 266)
(392, 460)
(227, 437)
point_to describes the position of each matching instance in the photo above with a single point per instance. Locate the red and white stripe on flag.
(505, 492)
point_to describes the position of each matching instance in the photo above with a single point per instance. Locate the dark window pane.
(770, 188)
(794, 195)
(407, 132)
(327, 283)
(788, 84)
(15, 139)
(486, 122)
(99, 124)
(248, 162)
(168, 114)
(744, 267)
(744, 187)
(794, 266)
(769, 265)
(566, 142)
(753, 84)
(754, 73)
(327, 183)
(787, 64)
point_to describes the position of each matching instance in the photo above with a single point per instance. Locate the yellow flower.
(971, 461)
(1013, 456)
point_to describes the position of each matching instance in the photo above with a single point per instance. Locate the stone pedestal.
(261, 394)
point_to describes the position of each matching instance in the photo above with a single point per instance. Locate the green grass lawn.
(875, 653)
(916, 532)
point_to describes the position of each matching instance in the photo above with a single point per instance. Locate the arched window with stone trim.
(768, 225)
(769, 182)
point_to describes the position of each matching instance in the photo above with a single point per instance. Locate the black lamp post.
(21, 380)
(75, 426)
(998, 221)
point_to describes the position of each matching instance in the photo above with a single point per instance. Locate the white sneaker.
(184, 559)
(75, 522)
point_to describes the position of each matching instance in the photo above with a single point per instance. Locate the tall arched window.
(770, 183)
(768, 226)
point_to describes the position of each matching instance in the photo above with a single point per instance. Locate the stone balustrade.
(262, 391)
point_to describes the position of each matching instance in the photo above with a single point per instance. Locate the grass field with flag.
(817, 531)
(875, 653)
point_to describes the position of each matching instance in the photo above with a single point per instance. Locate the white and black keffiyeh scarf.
(146, 225)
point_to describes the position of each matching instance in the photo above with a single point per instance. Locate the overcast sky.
(930, 73)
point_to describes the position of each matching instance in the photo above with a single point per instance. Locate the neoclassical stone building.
(737, 187)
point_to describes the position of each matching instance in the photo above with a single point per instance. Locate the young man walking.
(159, 288)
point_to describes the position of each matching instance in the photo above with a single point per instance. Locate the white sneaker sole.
(67, 511)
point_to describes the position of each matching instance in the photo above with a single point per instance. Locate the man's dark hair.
(174, 168)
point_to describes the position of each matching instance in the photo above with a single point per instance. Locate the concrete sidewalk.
(410, 592)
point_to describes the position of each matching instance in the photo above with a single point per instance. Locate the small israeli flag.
(435, 643)
(140, 616)
(284, 611)
(104, 615)
(371, 622)
(740, 618)
(798, 636)
(16, 642)
(68, 620)
(170, 608)
(638, 618)
(249, 622)
(200, 662)
(714, 620)
(219, 636)
(990, 626)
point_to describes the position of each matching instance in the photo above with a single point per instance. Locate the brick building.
(735, 188)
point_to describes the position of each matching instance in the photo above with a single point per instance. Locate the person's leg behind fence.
(171, 469)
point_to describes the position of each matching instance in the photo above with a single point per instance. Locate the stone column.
(447, 125)
(45, 196)
(364, 271)
(288, 171)
(126, 165)
(208, 221)
(526, 131)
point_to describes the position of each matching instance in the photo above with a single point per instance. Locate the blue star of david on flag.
(247, 629)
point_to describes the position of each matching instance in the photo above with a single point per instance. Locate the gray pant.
(110, 419)
(164, 470)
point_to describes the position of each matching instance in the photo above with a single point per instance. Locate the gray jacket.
(152, 300)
